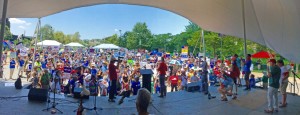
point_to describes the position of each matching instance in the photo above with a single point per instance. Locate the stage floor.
(177, 103)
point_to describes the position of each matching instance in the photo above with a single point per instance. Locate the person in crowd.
(94, 69)
(104, 86)
(274, 76)
(93, 86)
(21, 65)
(35, 80)
(162, 68)
(238, 64)
(234, 74)
(284, 80)
(184, 80)
(173, 80)
(226, 84)
(113, 78)
(252, 81)
(204, 79)
(28, 69)
(135, 85)
(12, 66)
(194, 78)
(247, 71)
(38, 65)
(125, 92)
(143, 100)
(45, 79)
(157, 86)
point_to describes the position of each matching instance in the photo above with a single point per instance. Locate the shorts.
(247, 74)
(283, 87)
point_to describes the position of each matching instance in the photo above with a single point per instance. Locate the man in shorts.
(247, 71)
(283, 81)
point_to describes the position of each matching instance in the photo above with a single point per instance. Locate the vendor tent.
(274, 23)
(49, 43)
(74, 44)
(106, 46)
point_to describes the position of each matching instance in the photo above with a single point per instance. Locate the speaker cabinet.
(38, 95)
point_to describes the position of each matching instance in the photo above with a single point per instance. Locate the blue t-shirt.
(135, 86)
(44, 65)
(104, 68)
(12, 64)
(191, 65)
(247, 66)
(86, 63)
(21, 63)
(94, 71)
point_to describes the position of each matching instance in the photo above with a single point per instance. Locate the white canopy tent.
(106, 46)
(49, 43)
(274, 23)
(74, 44)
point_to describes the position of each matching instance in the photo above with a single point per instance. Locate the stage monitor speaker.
(147, 74)
(38, 95)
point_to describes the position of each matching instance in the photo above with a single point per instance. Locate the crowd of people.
(105, 74)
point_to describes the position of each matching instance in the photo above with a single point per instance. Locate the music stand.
(53, 103)
(95, 107)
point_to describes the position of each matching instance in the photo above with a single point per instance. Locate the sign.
(66, 49)
(92, 50)
(23, 52)
(13, 54)
(55, 48)
(184, 57)
(184, 49)
(19, 46)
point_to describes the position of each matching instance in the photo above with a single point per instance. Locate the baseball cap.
(272, 60)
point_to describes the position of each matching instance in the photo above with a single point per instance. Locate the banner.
(79, 50)
(13, 54)
(184, 49)
(10, 44)
(55, 48)
(19, 46)
(184, 57)
(23, 52)
(92, 50)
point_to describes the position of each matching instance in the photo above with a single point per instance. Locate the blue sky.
(100, 21)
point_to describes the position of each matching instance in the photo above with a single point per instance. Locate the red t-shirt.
(162, 68)
(112, 71)
(174, 80)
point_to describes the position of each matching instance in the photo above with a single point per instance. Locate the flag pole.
(244, 28)
(35, 46)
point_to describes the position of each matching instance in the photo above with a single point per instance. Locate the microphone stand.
(53, 107)
(295, 84)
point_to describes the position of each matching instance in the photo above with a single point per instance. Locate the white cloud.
(22, 27)
(19, 21)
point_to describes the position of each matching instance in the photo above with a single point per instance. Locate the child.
(35, 80)
(103, 86)
(93, 86)
(136, 85)
(125, 92)
(252, 81)
(157, 86)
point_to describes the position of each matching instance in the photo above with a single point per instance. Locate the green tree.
(139, 37)
(59, 36)
(47, 32)
(7, 34)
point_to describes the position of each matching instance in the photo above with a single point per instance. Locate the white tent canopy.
(74, 44)
(274, 23)
(106, 46)
(49, 43)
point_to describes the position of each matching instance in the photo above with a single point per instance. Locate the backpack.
(18, 83)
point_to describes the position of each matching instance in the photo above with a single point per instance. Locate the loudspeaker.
(38, 94)
(147, 74)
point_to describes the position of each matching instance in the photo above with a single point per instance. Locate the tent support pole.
(3, 20)
(35, 42)
(204, 51)
(244, 28)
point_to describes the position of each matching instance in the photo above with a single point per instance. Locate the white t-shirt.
(87, 79)
(283, 70)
